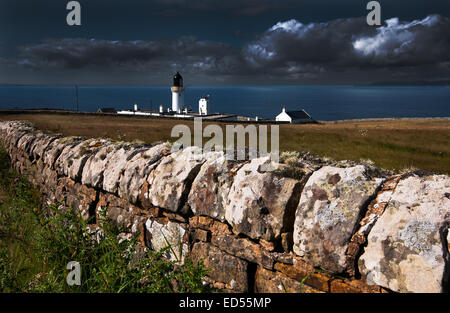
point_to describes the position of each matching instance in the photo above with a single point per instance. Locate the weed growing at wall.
(37, 243)
(19, 220)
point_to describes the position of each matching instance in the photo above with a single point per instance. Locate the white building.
(203, 106)
(283, 116)
(177, 93)
(295, 117)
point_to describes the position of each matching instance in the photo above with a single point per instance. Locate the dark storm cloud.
(420, 42)
(80, 53)
(234, 7)
(186, 52)
(293, 47)
(287, 50)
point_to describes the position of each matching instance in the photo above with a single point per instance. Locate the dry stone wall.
(337, 228)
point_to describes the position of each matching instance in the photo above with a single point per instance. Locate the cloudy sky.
(223, 42)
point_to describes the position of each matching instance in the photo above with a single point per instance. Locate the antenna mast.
(76, 97)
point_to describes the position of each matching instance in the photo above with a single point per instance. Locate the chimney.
(283, 109)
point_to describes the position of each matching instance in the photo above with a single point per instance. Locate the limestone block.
(168, 234)
(209, 192)
(274, 282)
(260, 204)
(96, 165)
(223, 268)
(170, 181)
(405, 250)
(52, 153)
(243, 248)
(42, 145)
(116, 167)
(137, 169)
(328, 213)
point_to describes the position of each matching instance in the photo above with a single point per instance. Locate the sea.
(325, 103)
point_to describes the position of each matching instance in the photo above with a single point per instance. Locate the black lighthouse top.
(177, 80)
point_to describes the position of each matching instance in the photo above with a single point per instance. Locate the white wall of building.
(283, 116)
(125, 112)
(203, 106)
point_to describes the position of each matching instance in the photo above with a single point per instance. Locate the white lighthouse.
(177, 93)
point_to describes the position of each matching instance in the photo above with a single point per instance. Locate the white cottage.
(295, 117)
(283, 116)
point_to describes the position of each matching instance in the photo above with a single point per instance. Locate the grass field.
(398, 144)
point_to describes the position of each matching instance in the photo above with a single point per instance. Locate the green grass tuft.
(37, 243)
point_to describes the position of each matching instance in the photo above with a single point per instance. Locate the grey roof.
(297, 115)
